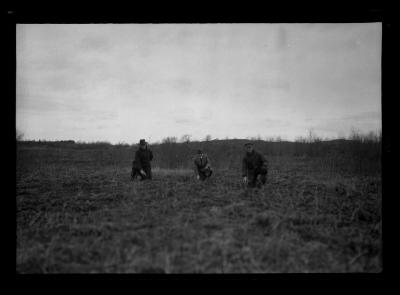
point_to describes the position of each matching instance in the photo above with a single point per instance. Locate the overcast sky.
(123, 82)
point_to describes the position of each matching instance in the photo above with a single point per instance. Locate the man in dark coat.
(141, 164)
(254, 167)
(202, 165)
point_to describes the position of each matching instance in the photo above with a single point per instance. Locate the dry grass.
(83, 217)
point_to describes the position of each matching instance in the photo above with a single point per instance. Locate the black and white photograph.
(198, 148)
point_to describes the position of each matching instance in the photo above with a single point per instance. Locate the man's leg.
(263, 175)
(147, 170)
(202, 175)
(135, 173)
(208, 172)
(259, 183)
(251, 179)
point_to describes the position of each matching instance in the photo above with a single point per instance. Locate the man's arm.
(195, 168)
(244, 167)
(208, 162)
(194, 165)
(264, 162)
(138, 161)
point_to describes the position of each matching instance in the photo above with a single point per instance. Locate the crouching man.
(254, 167)
(202, 166)
(141, 165)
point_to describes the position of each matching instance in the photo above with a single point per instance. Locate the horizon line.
(173, 139)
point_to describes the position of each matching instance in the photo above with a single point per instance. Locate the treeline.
(360, 153)
(227, 154)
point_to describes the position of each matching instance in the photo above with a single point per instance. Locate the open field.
(76, 214)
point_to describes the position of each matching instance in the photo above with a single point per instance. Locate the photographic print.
(205, 148)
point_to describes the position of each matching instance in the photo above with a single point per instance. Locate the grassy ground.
(75, 217)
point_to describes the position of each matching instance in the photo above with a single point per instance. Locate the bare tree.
(186, 138)
(355, 134)
(19, 135)
(312, 136)
(208, 137)
(170, 140)
(301, 139)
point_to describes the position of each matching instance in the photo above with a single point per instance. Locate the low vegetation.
(78, 211)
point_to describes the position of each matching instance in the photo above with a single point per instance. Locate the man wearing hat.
(141, 164)
(202, 165)
(254, 167)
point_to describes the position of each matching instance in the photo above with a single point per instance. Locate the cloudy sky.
(123, 82)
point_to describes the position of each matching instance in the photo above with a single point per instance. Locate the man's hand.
(142, 171)
(198, 177)
(245, 179)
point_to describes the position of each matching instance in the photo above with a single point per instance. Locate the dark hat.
(248, 143)
(199, 151)
(142, 142)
